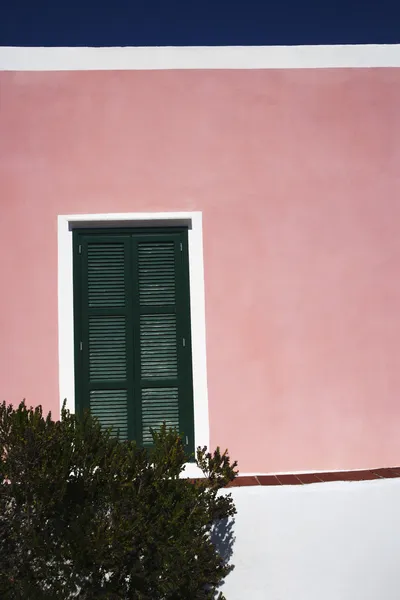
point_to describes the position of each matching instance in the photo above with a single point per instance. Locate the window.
(133, 365)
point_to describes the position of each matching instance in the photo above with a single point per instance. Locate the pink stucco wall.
(298, 177)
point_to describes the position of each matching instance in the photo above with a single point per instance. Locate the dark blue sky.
(178, 22)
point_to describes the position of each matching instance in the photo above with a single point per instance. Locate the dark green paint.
(134, 383)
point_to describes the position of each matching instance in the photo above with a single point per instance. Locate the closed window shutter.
(132, 313)
(105, 382)
(163, 339)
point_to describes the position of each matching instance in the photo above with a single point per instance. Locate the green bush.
(84, 515)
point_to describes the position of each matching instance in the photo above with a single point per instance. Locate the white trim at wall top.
(199, 57)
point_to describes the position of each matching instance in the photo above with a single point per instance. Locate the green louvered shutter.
(132, 315)
(103, 321)
(162, 319)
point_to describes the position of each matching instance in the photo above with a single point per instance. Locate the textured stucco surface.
(297, 175)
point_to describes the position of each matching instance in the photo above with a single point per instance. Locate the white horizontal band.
(218, 57)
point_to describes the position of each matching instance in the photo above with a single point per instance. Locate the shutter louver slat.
(106, 283)
(110, 408)
(158, 352)
(107, 348)
(156, 271)
(159, 405)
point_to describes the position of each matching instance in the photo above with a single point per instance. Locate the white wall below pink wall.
(329, 541)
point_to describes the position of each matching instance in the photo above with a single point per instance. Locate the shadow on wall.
(223, 538)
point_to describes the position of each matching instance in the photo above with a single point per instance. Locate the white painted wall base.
(328, 541)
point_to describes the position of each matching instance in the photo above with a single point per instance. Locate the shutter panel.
(105, 385)
(161, 324)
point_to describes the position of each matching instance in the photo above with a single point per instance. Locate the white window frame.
(66, 225)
